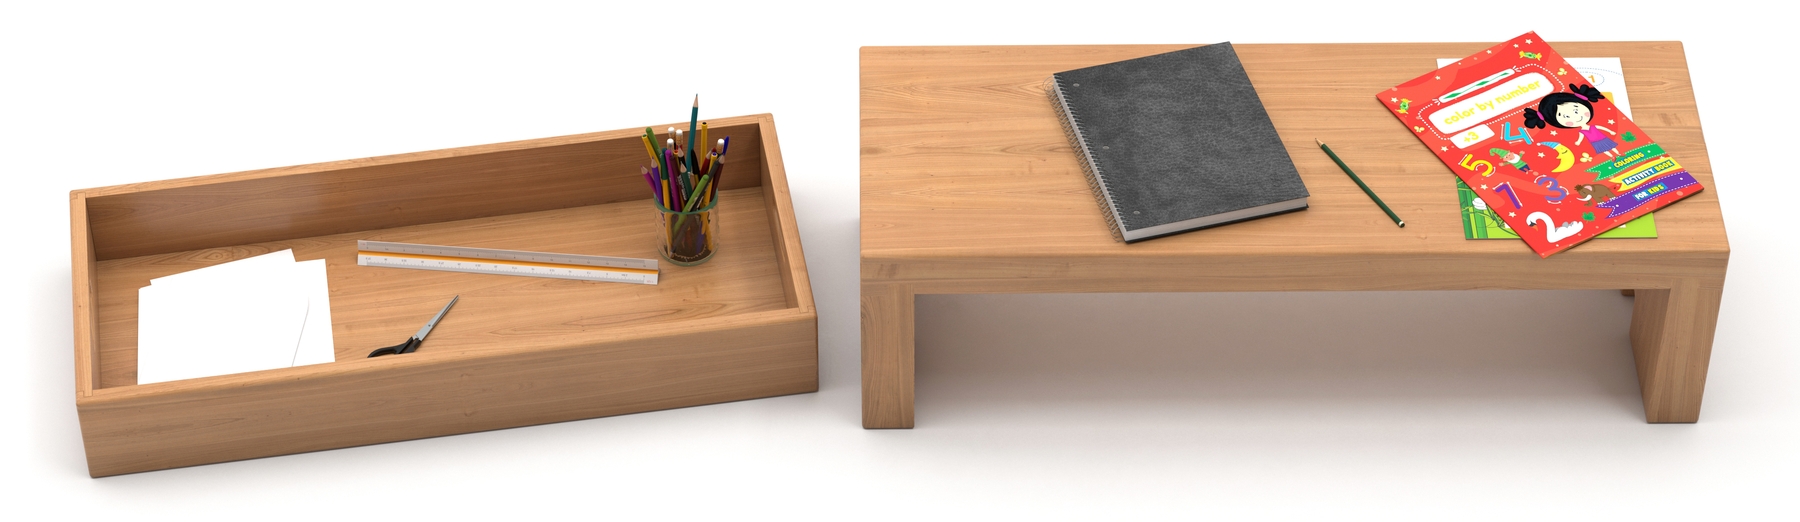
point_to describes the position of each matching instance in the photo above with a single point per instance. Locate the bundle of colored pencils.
(682, 179)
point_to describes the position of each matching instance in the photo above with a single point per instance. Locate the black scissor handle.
(405, 347)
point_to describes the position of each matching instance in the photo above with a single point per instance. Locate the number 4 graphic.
(1506, 133)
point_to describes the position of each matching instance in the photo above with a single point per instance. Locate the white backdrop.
(1305, 405)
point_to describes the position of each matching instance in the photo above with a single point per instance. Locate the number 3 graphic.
(1550, 183)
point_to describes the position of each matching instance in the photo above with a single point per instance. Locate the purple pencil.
(655, 188)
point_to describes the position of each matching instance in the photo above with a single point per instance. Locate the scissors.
(412, 343)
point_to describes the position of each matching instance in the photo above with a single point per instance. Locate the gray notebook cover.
(1176, 142)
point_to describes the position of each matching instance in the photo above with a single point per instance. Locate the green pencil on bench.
(1359, 183)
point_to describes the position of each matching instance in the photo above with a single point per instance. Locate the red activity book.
(1543, 148)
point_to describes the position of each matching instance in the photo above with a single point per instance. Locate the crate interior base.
(373, 307)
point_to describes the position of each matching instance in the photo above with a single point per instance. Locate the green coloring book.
(1479, 221)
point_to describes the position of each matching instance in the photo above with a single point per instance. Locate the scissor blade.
(440, 315)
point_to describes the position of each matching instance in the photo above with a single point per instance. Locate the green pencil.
(693, 118)
(1359, 183)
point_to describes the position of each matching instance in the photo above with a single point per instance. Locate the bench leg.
(887, 356)
(1671, 338)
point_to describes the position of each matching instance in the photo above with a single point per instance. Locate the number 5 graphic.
(1481, 167)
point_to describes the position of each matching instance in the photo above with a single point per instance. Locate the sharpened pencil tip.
(696, 99)
(1316, 140)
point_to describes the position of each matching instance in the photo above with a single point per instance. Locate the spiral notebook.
(1176, 142)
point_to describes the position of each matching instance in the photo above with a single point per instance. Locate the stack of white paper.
(252, 314)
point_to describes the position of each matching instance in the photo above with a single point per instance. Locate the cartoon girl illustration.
(1574, 110)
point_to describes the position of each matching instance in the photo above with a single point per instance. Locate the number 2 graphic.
(1553, 233)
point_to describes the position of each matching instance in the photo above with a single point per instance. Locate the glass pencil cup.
(688, 238)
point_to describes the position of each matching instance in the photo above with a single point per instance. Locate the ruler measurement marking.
(507, 262)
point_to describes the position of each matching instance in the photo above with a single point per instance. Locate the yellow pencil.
(651, 149)
(665, 192)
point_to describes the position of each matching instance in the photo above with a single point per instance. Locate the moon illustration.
(1564, 156)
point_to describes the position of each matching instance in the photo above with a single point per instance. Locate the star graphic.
(1528, 41)
(1680, 193)
(1490, 51)
(1437, 77)
(1512, 214)
(1515, 45)
(1445, 149)
(1540, 154)
(1552, 133)
(1395, 100)
(1484, 187)
(1611, 122)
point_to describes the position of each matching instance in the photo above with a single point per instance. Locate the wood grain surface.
(369, 401)
(962, 158)
(372, 307)
(515, 351)
(259, 206)
(970, 186)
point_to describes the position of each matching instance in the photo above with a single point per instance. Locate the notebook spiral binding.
(1109, 209)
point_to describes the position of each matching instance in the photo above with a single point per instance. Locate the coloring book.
(1480, 222)
(1539, 144)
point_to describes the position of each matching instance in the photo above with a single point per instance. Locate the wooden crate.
(516, 351)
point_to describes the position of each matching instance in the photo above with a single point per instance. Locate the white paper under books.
(258, 313)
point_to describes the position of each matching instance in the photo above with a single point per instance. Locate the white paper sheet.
(315, 338)
(242, 269)
(257, 313)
